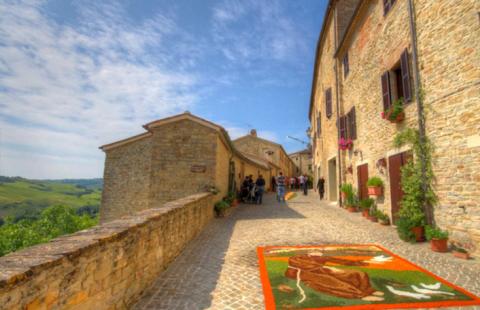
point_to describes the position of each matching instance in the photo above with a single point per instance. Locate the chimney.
(253, 132)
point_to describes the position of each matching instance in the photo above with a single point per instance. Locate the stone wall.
(326, 141)
(375, 46)
(105, 267)
(449, 59)
(449, 65)
(126, 180)
(222, 167)
(177, 148)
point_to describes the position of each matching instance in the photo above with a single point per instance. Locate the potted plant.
(345, 189)
(372, 213)
(365, 205)
(220, 208)
(232, 199)
(375, 186)
(382, 218)
(395, 113)
(438, 238)
(460, 252)
(351, 202)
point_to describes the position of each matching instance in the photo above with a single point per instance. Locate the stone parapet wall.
(105, 267)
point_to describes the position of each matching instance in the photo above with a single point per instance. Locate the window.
(319, 124)
(328, 102)
(351, 124)
(348, 125)
(346, 67)
(396, 82)
(387, 5)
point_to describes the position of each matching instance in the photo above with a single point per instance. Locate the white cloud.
(250, 30)
(66, 90)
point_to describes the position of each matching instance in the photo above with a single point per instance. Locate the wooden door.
(362, 178)
(395, 163)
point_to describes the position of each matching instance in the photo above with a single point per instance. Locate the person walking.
(292, 183)
(281, 188)
(301, 180)
(274, 184)
(305, 185)
(321, 187)
(260, 183)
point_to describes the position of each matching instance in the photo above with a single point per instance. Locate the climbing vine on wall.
(419, 197)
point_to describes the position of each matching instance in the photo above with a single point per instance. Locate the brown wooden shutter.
(353, 124)
(386, 93)
(405, 69)
(386, 6)
(319, 123)
(343, 127)
(328, 102)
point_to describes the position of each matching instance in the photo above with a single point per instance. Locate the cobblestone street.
(218, 270)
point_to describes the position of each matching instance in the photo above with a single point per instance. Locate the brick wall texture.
(449, 66)
(105, 267)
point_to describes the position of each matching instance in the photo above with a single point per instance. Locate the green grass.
(22, 197)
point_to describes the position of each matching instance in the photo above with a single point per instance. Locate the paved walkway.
(218, 270)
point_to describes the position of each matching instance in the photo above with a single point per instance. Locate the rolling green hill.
(23, 198)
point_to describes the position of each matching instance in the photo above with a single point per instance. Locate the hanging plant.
(395, 113)
(345, 144)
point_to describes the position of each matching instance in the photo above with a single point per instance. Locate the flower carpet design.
(351, 277)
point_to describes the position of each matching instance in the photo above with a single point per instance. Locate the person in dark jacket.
(274, 184)
(321, 187)
(260, 183)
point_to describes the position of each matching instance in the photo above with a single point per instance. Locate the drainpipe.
(337, 103)
(420, 110)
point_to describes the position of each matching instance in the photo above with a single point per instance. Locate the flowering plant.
(345, 144)
(395, 113)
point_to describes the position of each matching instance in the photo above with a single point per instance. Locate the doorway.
(395, 163)
(362, 178)
(332, 180)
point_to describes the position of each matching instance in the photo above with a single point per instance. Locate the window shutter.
(407, 91)
(319, 123)
(353, 124)
(386, 6)
(343, 127)
(386, 93)
(328, 102)
(346, 67)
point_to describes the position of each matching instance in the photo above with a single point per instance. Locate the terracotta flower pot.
(419, 233)
(344, 195)
(461, 255)
(373, 218)
(439, 245)
(375, 191)
(352, 209)
(365, 213)
(400, 117)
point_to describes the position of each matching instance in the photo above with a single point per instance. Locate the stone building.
(253, 146)
(401, 50)
(303, 162)
(177, 156)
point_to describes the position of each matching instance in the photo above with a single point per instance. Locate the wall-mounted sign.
(198, 168)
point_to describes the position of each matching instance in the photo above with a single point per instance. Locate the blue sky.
(78, 74)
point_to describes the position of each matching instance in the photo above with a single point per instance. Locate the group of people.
(293, 183)
(252, 191)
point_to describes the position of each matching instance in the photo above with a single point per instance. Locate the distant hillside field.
(23, 198)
